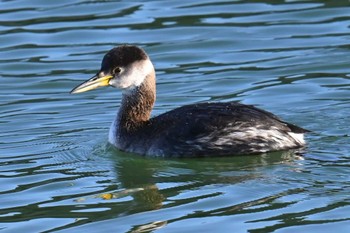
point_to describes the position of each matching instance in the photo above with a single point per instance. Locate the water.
(58, 174)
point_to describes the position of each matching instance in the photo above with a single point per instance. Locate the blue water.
(59, 174)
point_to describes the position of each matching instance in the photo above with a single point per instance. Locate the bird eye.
(116, 70)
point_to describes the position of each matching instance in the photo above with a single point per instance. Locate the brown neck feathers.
(137, 105)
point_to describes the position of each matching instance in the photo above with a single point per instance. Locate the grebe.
(196, 130)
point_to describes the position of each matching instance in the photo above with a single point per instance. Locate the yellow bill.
(92, 83)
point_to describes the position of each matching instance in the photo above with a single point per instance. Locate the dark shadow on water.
(152, 182)
(129, 185)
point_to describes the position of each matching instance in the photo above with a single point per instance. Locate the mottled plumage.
(204, 129)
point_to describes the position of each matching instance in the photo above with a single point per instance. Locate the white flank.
(299, 137)
(280, 140)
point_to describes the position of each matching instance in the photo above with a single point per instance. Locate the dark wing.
(199, 117)
(181, 128)
(273, 119)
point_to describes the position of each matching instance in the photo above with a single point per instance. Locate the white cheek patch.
(133, 75)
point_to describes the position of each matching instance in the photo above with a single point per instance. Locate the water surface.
(58, 173)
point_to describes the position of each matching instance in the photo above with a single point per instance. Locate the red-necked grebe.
(203, 129)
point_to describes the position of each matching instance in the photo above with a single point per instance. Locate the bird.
(206, 129)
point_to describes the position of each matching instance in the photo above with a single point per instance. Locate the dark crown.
(122, 56)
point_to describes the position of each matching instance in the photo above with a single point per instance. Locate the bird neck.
(137, 105)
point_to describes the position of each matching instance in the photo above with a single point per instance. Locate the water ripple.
(59, 174)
